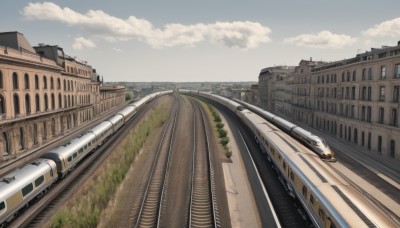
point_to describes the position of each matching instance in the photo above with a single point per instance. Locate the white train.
(22, 185)
(328, 199)
(313, 142)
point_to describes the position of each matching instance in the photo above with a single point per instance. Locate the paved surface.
(241, 202)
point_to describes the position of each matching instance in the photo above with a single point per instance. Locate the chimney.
(310, 59)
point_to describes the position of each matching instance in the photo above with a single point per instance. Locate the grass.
(85, 208)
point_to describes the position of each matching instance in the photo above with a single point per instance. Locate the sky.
(206, 40)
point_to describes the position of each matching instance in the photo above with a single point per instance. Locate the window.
(343, 77)
(51, 83)
(26, 80)
(397, 71)
(348, 76)
(363, 113)
(75, 154)
(364, 73)
(369, 114)
(369, 140)
(27, 104)
(2, 105)
(312, 199)
(369, 94)
(44, 82)
(291, 175)
(396, 93)
(15, 81)
(69, 159)
(364, 92)
(393, 121)
(353, 93)
(2, 207)
(304, 191)
(383, 72)
(379, 144)
(16, 104)
(392, 148)
(1, 80)
(37, 102)
(27, 189)
(354, 75)
(381, 115)
(46, 102)
(370, 74)
(382, 93)
(36, 82)
(39, 181)
(58, 84)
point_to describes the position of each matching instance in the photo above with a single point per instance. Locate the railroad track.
(202, 207)
(41, 211)
(149, 212)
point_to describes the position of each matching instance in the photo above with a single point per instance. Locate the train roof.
(126, 111)
(101, 127)
(116, 118)
(23, 176)
(74, 145)
(260, 123)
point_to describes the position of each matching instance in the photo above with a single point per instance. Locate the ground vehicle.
(313, 142)
(22, 185)
(328, 199)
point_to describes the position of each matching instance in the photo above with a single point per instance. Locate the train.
(313, 142)
(328, 199)
(19, 187)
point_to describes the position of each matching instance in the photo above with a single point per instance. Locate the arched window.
(343, 77)
(21, 139)
(364, 74)
(348, 76)
(65, 101)
(53, 126)
(69, 101)
(35, 134)
(36, 82)
(51, 83)
(354, 75)
(65, 85)
(1, 80)
(16, 104)
(2, 105)
(46, 102)
(58, 84)
(59, 100)
(15, 81)
(380, 144)
(6, 142)
(53, 102)
(369, 140)
(26, 80)
(44, 82)
(27, 104)
(73, 103)
(37, 102)
(44, 136)
(370, 74)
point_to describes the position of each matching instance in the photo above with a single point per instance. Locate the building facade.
(44, 94)
(356, 100)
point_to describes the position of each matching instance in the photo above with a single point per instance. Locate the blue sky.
(205, 40)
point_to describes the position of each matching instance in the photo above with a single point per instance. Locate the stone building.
(356, 100)
(43, 94)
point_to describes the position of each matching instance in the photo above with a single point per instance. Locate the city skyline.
(222, 41)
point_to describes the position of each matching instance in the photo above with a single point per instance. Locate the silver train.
(24, 184)
(328, 199)
(313, 142)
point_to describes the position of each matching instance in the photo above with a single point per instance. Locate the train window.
(69, 159)
(2, 206)
(321, 214)
(39, 181)
(75, 154)
(90, 143)
(27, 189)
(279, 156)
(51, 172)
(291, 175)
(304, 191)
(312, 199)
(80, 150)
(85, 147)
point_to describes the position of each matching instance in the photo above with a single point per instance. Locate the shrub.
(228, 152)
(220, 125)
(217, 118)
(224, 141)
(222, 133)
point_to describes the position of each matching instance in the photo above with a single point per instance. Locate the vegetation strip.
(85, 208)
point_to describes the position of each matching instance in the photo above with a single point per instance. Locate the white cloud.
(386, 28)
(243, 34)
(324, 39)
(81, 43)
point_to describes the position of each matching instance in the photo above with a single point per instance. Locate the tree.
(128, 97)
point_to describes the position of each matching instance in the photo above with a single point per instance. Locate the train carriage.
(22, 185)
(128, 112)
(117, 121)
(68, 155)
